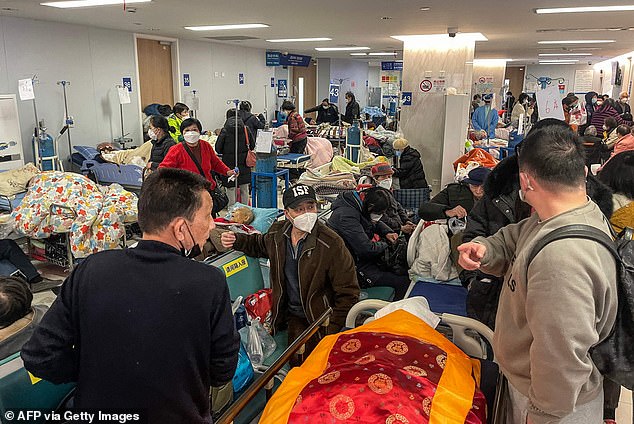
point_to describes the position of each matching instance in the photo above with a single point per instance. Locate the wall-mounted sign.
(186, 80)
(294, 60)
(272, 82)
(406, 96)
(282, 88)
(333, 92)
(426, 86)
(127, 83)
(241, 78)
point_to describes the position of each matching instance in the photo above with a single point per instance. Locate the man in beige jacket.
(553, 310)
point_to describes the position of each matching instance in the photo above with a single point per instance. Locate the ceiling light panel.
(565, 54)
(225, 27)
(340, 49)
(298, 40)
(576, 42)
(585, 9)
(89, 3)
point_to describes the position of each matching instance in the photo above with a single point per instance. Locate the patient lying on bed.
(396, 369)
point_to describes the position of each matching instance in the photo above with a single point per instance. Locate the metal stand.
(122, 140)
(68, 120)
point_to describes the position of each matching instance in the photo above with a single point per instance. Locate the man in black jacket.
(145, 329)
(409, 166)
(353, 110)
(252, 122)
(326, 112)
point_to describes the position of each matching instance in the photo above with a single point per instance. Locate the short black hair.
(552, 153)
(15, 300)
(623, 130)
(191, 121)
(167, 194)
(245, 105)
(165, 110)
(230, 113)
(180, 108)
(569, 100)
(522, 97)
(618, 173)
(610, 122)
(288, 105)
(351, 95)
(376, 200)
(159, 121)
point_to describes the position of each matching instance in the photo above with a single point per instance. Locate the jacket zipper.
(277, 307)
(299, 280)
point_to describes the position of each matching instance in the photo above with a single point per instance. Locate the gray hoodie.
(552, 313)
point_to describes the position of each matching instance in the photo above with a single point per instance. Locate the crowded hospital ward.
(212, 213)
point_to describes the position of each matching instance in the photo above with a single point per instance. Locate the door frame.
(176, 87)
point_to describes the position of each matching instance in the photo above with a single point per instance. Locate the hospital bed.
(87, 160)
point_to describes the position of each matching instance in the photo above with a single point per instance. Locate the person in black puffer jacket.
(161, 140)
(409, 166)
(357, 220)
(226, 146)
(252, 122)
(499, 207)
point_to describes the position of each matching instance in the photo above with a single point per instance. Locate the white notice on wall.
(549, 103)
(583, 80)
(124, 95)
(25, 88)
(264, 141)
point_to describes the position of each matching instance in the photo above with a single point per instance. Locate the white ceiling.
(510, 25)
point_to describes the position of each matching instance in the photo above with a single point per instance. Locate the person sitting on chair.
(396, 216)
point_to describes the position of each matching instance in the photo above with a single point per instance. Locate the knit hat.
(297, 194)
(477, 176)
(400, 144)
(381, 169)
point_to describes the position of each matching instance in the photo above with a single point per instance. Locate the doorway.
(308, 89)
(156, 82)
(515, 75)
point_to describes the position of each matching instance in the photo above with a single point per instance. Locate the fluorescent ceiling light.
(585, 9)
(89, 3)
(383, 54)
(358, 54)
(565, 54)
(298, 40)
(340, 49)
(552, 62)
(577, 42)
(222, 27)
(470, 36)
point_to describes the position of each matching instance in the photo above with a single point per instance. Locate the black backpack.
(614, 356)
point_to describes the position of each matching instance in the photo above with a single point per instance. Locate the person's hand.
(408, 228)
(391, 237)
(470, 255)
(148, 165)
(227, 239)
(458, 211)
(231, 173)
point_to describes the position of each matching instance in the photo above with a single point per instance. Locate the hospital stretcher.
(293, 161)
(465, 333)
(86, 160)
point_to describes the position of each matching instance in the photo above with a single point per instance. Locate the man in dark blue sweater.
(146, 328)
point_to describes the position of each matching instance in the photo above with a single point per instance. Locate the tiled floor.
(624, 412)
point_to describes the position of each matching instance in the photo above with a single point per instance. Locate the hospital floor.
(624, 412)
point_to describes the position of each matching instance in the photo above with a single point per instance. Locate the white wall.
(374, 76)
(567, 72)
(351, 70)
(203, 60)
(94, 60)
(323, 79)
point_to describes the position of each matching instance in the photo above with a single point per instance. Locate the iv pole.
(36, 130)
(68, 121)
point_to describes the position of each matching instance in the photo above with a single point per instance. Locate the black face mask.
(194, 251)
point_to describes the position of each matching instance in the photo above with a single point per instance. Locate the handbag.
(219, 198)
(251, 158)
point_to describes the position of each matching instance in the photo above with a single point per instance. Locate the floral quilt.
(93, 215)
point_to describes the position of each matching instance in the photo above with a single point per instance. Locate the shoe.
(45, 284)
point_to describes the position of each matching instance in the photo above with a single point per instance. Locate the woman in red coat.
(183, 154)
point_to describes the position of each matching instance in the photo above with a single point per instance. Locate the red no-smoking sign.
(425, 85)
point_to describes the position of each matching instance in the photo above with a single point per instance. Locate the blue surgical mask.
(594, 100)
(398, 153)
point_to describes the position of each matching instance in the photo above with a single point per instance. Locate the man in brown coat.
(311, 268)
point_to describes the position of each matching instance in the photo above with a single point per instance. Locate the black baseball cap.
(297, 194)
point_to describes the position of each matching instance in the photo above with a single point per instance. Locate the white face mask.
(624, 100)
(375, 217)
(605, 128)
(191, 137)
(305, 222)
(152, 134)
(386, 183)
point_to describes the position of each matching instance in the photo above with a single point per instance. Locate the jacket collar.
(310, 241)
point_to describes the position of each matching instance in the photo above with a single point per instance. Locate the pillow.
(88, 152)
(264, 217)
(14, 181)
